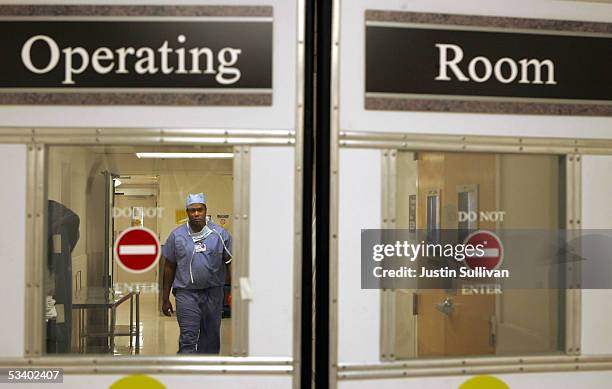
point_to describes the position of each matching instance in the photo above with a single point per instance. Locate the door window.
(96, 302)
(503, 193)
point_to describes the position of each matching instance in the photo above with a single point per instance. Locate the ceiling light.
(187, 155)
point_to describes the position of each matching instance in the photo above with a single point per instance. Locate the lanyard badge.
(200, 247)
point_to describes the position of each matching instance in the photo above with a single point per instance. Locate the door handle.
(492, 332)
(78, 280)
(446, 306)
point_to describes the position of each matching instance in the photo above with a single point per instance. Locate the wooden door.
(448, 322)
(465, 329)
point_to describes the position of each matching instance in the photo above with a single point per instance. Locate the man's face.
(197, 214)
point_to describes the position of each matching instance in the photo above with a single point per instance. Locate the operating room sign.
(468, 63)
(198, 56)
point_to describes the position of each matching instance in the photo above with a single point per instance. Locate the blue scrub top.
(208, 267)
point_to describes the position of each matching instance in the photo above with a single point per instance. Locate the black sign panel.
(136, 54)
(445, 62)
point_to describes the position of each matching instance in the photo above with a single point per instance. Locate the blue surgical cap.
(197, 198)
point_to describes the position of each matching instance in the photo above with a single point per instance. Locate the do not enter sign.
(491, 249)
(137, 249)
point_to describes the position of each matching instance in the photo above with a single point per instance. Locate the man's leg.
(211, 306)
(188, 315)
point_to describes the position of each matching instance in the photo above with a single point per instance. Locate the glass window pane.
(496, 192)
(97, 305)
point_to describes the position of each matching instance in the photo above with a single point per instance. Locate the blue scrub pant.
(198, 312)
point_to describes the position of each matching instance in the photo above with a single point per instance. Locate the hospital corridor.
(111, 190)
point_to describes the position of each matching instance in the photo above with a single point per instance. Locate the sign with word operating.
(197, 55)
(461, 67)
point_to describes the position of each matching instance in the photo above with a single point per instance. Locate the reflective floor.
(158, 333)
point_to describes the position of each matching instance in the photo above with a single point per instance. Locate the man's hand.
(167, 308)
(169, 272)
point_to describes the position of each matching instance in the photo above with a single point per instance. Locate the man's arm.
(169, 272)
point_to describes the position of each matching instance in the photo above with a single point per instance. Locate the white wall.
(360, 170)
(596, 214)
(271, 251)
(590, 380)
(12, 248)
(353, 116)
(359, 310)
(359, 207)
(272, 182)
(187, 381)
(281, 115)
(173, 189)
(271, 256)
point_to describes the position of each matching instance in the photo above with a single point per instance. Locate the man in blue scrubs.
(197, 257)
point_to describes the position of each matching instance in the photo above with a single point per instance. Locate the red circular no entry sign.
(492, 250)
(137, 249)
